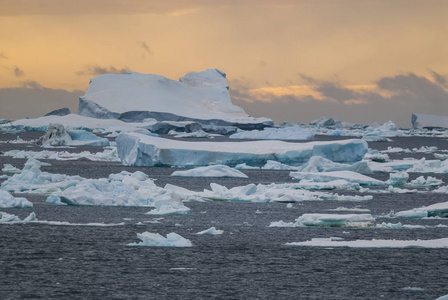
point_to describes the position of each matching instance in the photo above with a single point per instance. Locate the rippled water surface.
(248, 261)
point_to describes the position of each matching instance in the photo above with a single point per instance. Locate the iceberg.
(201, 97)
(287, 133)
(109, 154)
(211, 231)
(136, 149)
(335, 220)
(57, 135)
(322, 164)
(156, 240)
(348, 176)
(211, 171)
(9, 201)
(429, 121)
(329, 242)
(8, 168)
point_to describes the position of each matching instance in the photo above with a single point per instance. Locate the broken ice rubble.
(9, 201)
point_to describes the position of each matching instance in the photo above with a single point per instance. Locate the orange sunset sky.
(356, 61)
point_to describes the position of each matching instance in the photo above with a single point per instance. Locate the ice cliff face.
(202, 97)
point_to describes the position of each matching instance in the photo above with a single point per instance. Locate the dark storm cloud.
(34, 100)
(97, 70)
(18, 72)
(396, 99)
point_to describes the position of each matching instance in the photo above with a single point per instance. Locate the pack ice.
(136, 149)
(202, 97)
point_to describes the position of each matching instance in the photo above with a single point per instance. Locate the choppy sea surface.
(248, 261)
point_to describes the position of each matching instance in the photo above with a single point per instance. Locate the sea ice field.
(266, 236)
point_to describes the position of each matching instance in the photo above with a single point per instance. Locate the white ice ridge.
(434, 210)
(286, 133)
(210, 171)
(200, 96)
(211, 231)
(348, 176)
(156, 240)
(136, 149)
(9, 201)
(109, 154)
(337, 242)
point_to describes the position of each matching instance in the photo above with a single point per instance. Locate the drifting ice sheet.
(210, 171)
(136, 149)
(331, 242)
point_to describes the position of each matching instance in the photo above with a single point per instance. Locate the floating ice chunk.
(194, 134)
(441, 156)
(33, 180)
(156, 240)
(170, 204)
(376, 138)
(56, 135)
(422, 182)
(282, 224)
(86, 138)
(353, 209)
(435, 210)
(3, 177)
(5, 217)
(7, 168)
(413, 289)
(436, 243)
(348, 176)
(211, 230)
(398, 226)
(275, 165)
(398, 179)
(442, 189)
(287, 133)
(396, 150)
(335, 220)
(210, 171)
(9, 201)
(445, 297)
(321, 164)
(109, 154)
(54, 199)
(141, 150)
(244, 166)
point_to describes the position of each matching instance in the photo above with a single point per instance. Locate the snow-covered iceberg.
(210, 171)
(136, 149)
(156, 240)
(202, 97)
(286, 133)
(337, 242)
(429, 121)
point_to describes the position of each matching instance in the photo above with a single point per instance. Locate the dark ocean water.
(248, 261)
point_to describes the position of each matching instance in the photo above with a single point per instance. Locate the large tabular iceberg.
(136, 149)
(429, 121)
(202, 97)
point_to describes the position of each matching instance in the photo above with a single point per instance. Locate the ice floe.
(322, 164)
(333, 243)
(335, 220)
(348, 176)
(8, 168)
(211, 171)
(211, 231)
(434, 210)
(140, 150)
(109, 154)
(156, 240)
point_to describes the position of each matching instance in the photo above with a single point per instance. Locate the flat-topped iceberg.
(202, 97)
(136, 149)
(337, 242)
(210, 171)
(172, 239)
(286, 133)
(429, 121)
(434, 210)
